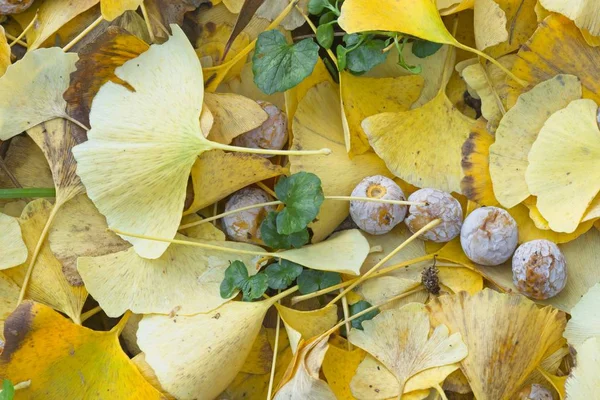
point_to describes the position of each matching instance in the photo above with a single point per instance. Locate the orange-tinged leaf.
(111, 9)
(63, 360)
(4, 52)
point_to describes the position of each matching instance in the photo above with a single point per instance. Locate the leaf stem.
(346, 316)
(90, 313)
(147, 20)
(415, 235)
(493, 61)
(314, 29)
(83, 33)
(27, 28)
(20, 193)
(237, 149)
(277, 202)
(74, 121)
(118, 328)
(382, 271)
(274, 361)
(11, 37)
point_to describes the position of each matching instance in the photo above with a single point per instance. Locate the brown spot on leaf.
(16, 328)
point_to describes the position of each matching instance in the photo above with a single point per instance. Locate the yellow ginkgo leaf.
(51, 15)
(270, 9)
(260, 358)
(14, 251)
(201, 353)
(585, 319)
(306, 324)
(490, 24)
(111, 9)
(65, 360)
(305, 382)
(593, 211)
(564, 165)
(4, 52)
(585, 13)
(202, 231)
(294, 96)
(550, 51)
(317, 122)
(216, 174)
(487, 82)
(233, 115)
(507, 337)
(422, 146)
(382, 288)
(418, 18)
(583, 382)
(363, 97)
(142, 190)
(339, 366)
(391, 240)
(9, 293)
(234, 6)
(448, 7)
(374, 381)
(47, 284)
(125, 281)
(519, 129)
(400, 340)
(80, 230)
(31, 90)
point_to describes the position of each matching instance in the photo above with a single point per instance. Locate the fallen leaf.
(96, 66)
(233, 115)
(125, 281)
(80, 230)
(519, 129)
(448, 7)
(148, 373)
(374, 381)
(583, 12)
(31, 90)
(188, 353)
(490, 24)
(550, 51)
(167, 12)
(380, 289)
(51, 16)
(245, 86)
(339, 366)
(8, 300)
(14, 251)
(210, 48)
(4, 52)
(306, 324)
(234, 6)
(111, 9)
(400, 340)
(63, 359)
(507, 337)
(259, 360)
(272, 8)
(216, 175)
(317, 123)
(202, 231)
(47, 285)
(564, 188)
(305, 382)
(363, 97)
(342, 252)
(585, 319)
(583, 381)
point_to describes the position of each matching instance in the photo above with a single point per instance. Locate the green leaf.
(325, 35)
(302, 195)
(366, 56)
(255, 286)
(341, 52)
(279, 66)
(327, 18)
(311, 280)
(352, 39)
(414, 69)
(18, 193)
(275, 240)
(8, 390)
(235, 277)
(282, 274)
(316, 7)
(424, 48)
(358, 307)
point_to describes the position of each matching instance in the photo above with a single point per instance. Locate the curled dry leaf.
(564, 165)
(304, 382)
(125, 281)
(400, 340)
(306, 324)
(217, 174)
(585, 319)
(584, 381)
(62, 359)
(52, 15)
(31, 90)
(188, 353)
(14, 250)
(363, 97)
(47, 285)
(519, 129)
(507, 337)
(167, 12)
(490, 24)
(317, 123)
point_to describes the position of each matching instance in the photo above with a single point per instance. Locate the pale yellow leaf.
(584, 380)
(14, 251)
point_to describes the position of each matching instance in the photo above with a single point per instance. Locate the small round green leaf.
(302, 195)
(282, 274)
(254, 287)
(235, 277)
(325, 35)
(311, 280)
(424, 48)
(276, 240)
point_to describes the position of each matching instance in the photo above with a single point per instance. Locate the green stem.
(18, 193)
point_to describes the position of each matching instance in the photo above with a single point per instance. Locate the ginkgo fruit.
(135, 166)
